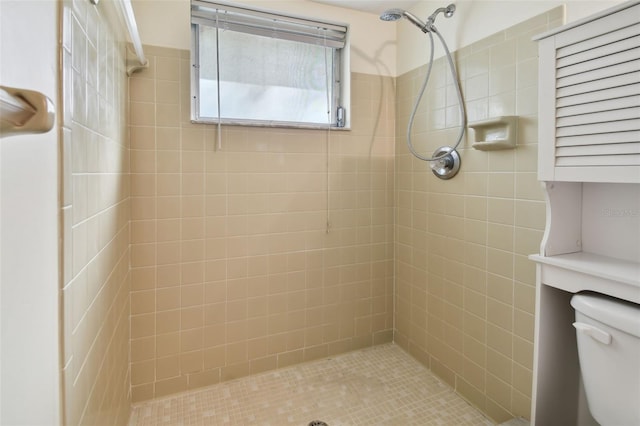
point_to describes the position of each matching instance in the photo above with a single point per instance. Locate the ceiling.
(371, 6)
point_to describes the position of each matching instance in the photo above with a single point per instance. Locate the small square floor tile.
(381, 385)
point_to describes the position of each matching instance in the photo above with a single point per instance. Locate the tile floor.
(381, 385)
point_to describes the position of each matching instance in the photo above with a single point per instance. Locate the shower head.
(391, 14)
(395, 14)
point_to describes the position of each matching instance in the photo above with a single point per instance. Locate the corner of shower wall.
(465, 290)
(233, 272)
(94, 217)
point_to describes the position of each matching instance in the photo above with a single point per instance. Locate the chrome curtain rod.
(125, 10)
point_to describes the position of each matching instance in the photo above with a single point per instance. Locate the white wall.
(374, 44)
(477, 19)
(29, 360)
(373, 49)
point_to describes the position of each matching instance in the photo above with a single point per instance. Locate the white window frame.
(204, 12)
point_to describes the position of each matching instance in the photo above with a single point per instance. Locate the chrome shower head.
(395, 14)
(391, 15)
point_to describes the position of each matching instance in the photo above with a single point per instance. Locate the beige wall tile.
(143, 325)
(522, 379)
(527, 241)
(214, 357)
(528, 187)
(524, 297)
(142, 113)
(192, 317)
(530, 214)
(167, 367)
(502, 79)
(499, 365)
(167, 138)
(166, 91)
(168, 253)
(500, 236)
(504, 219)
(167, 344)
(501, 185)
(520, 404)
(191, 362)
(141, 392)
(525, 270)
(141, 90)
(523, 325)
(471, 393)
(142, 302)
(167, 321)
(168, 275)
(168, 161)
(167, 68)
(500, 288)
(500, 340)
(170, 386)
(500, 314)
(205, 378)
(143, 278)
(167, 298)
(523, 352)
(144, 372)
(501, 210)
(191, 340)
(143, 349)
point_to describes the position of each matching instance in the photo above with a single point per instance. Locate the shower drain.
(317, 423)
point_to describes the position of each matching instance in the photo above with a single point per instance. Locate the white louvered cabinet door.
(589, 101)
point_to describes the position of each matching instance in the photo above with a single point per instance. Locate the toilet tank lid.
(616, 313)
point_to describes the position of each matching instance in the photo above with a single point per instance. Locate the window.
(258, 67)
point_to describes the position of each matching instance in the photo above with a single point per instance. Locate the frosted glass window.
(269, 74)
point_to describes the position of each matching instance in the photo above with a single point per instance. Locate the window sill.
(271, 124)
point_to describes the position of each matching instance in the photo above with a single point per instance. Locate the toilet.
(608, 334)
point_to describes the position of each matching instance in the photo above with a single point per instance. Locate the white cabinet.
(590, 99)
(589, 163)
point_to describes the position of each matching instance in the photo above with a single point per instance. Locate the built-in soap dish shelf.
(495, 133)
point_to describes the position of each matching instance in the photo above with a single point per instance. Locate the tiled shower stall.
(233, 268)
(291, 245)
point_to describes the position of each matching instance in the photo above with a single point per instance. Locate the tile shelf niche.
(589, 164)
(495, 133)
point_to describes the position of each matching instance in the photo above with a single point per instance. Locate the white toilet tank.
(608, 333)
